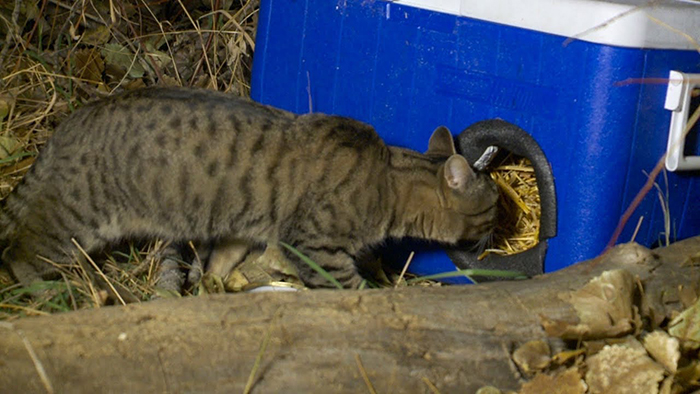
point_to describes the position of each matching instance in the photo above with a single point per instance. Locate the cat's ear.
(441, 143)
(457, 172)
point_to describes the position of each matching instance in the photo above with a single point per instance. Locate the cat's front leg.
(226, 254)
(338, 262)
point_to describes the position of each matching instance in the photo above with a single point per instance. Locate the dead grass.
(519, 209)
(58, 55)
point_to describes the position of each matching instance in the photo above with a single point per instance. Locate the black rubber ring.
(471, 143)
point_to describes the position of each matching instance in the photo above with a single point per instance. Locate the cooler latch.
(680, 87)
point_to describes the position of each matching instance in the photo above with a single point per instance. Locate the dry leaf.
(134, 84)
(687, 295)
(488, 390)
(235, 282)
(236, 46)
(5, 105)
(167, 80)
(8, 146)
(261, 267)
(622, 370)
(690, 374)
(30, 9)
(555, 328)
(604, 307)
(121, 58)
(667, 386)
(664, 349)
(594, 347)
(89, 64)
(686, 327)
(693, 260)
(97, 36)
(212, 284)
(564, 356)
(567, 382)
(160, 58)
(532, 356)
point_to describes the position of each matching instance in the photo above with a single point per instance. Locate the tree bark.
(456, 338)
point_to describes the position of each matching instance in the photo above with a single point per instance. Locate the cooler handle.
(680, 87)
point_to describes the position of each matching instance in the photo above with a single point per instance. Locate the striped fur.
(186, 164)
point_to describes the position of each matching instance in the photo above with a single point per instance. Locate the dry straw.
(519, 207)
(57, 55)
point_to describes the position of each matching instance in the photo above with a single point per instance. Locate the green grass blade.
(363, 284)
(313, 265)
(36, 56)
(39, 286)
(469, 273)
(56, 307)
(16, 156)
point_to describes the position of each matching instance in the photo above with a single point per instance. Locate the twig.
(197, 259)
(650, 81)
(33, 70)
(99, 271)
(204, 58)
(71, 8)
(37, 20)
(11, 28)
(112, 12)
(261, 353)
(82, 275)
(308, 91)
(241, 30)
(405, 267)
(647, 186)
(154, 65)
(128, 70)
(361, 367)
(165, 38)
(608, 22)
(683, 34)
(25, 309)
(32, 354)
(430, 385)
(214, 23)
(184, 32)
(665, 209)
(636, 229)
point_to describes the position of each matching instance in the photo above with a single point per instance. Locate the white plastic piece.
(680, 87)
(626, 23)
(486, 158)
(264, 289)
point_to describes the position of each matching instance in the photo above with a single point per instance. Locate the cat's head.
(467, 198)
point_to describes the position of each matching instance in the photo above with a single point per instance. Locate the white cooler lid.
(669, 24)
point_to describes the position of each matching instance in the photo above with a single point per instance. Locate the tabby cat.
(183, 164)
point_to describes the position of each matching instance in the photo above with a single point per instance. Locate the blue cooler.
(588, 80)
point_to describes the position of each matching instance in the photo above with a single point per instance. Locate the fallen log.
(407, 340)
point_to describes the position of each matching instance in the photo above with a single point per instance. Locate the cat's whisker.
(483, 244)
